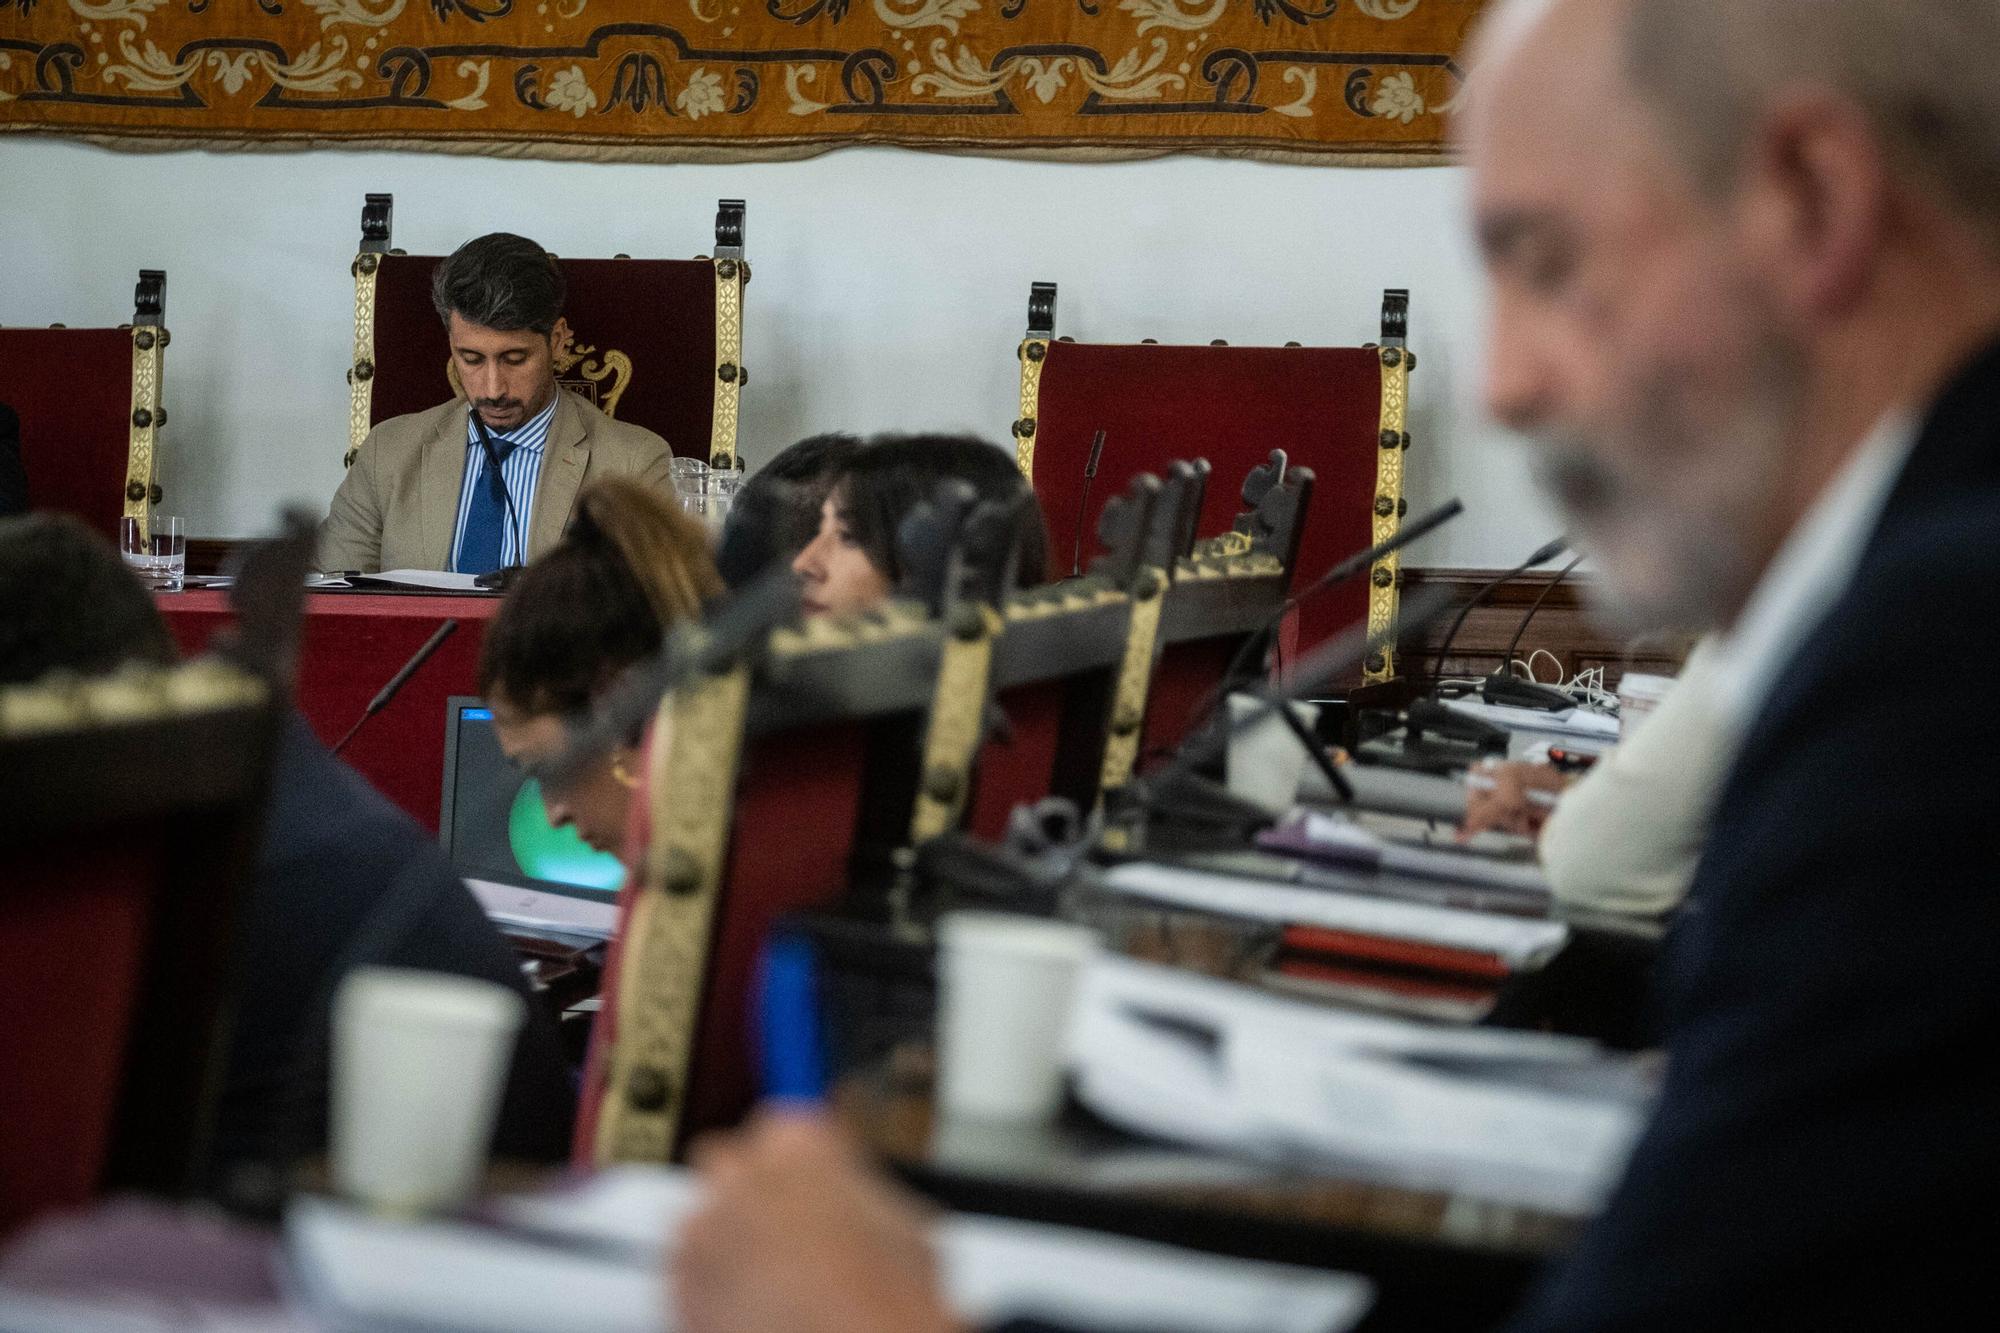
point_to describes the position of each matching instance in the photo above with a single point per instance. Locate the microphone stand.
(1503, 687)
(1083, 502)
(397, 681)
(1541, 556)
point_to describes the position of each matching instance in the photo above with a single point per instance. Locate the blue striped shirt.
(521, 470)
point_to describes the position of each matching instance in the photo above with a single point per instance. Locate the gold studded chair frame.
(89, 404)
(776, 787)
(129, 815)
(1339, 411)
(657, 342)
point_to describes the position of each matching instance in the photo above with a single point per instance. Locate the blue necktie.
(480, 549)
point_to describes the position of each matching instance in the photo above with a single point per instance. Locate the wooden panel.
(1562, 627)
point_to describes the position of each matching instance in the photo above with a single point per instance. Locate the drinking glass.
(158, 556)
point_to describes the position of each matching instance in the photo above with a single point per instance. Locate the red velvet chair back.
(124, 847)
(658, 342)
(89, 413)
(1324, 406)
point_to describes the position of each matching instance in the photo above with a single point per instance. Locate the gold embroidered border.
(149, 351)
(1135, 681)
(1386, 575)
(1032, 352)
(361, 374)
(696, 745)
(729, 374)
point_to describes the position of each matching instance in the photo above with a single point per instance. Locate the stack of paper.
(595, 1258)
(1511, 1117)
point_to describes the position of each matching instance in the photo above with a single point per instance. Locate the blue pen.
(791, 1053)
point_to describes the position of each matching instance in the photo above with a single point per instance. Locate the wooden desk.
(1439, 1261)
(352, 643)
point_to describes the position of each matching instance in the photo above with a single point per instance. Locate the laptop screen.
(494, 826)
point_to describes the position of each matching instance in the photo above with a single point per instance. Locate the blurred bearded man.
(1746, 274)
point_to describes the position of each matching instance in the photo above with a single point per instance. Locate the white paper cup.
(1266, 762)
(419, 1064)
(1008, 985)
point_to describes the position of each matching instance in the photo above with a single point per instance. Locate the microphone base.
(499, 580)
(1514, 692)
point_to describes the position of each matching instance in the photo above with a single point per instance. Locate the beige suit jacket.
(397, 508)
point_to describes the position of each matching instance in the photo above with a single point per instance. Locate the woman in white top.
(1626, 835)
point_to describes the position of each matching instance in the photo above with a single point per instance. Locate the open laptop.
(525, 872)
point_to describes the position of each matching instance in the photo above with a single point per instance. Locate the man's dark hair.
(890, 475)
(67, 603)
(500, 281)
(786, 493)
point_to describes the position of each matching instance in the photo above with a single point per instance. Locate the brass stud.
(621, 256)
(141, 418)
(648, 1089)
(1384, 577)
(1024, 428)
(135, 491)
(1035, 351)
(1125, 724)
(1218, 342)
(1402, 508)
(1149, 342)
(1151, 584)
(165, 337)
(368, 263)
(1295, 344)
(726, 372)
(1406, 440)
(941, 785)
(1392, 357)
(725, 269)
(144, 340)
(680, 875)
(746, 272)
(347, 460)
(1377, 664)
(364, 369)
(967, 625)
(1384, 506)
(1392, 439)
(1409, 361)
(158, 494)
(742, 377)
(160, 417)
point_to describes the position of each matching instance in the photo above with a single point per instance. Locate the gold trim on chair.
(149, 350)
(1385, 577)
(697, 743)
(361, 374)
(1032, 352)
(957, 721)
(729, 373)
(1127, 722)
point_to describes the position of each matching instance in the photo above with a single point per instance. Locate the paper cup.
(1266, 762)
(419, 1064)
(1008, 985)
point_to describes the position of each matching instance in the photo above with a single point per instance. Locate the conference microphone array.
(1504, 687)
(1541, 557)
(400, 679)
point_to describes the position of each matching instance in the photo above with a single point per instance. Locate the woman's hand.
(1510, 798)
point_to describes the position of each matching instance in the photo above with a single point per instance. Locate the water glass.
(691, 487)
(159, 555)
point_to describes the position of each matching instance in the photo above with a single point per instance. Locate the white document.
(435, 580)
(595, 1258)
(1517, 941)
(1511, 1117)
(1341, 837)
(1585, 723)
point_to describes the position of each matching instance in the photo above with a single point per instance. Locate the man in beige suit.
(466, 485)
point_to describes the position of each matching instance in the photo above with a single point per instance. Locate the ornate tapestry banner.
(734, 79)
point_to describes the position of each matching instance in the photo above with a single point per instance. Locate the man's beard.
(1673, 539)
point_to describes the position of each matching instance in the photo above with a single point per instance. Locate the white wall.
(890, 289)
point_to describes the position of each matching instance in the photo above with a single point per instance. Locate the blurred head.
(501, 299)
(629, 568)
(1714, 230)
(851, 563)
(783, 499)
(51, 565)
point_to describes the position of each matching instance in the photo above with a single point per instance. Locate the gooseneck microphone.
(397, 681)
(498, 479)
(1503, 687)
(1542, 556)
(1083, 502)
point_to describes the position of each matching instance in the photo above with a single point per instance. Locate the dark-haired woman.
(629, 568)
(852, 563)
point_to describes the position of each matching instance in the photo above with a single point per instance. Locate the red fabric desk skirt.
(351, 644)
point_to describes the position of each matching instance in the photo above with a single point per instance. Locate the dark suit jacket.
(345, 878)
(1828, 1143)
(13, 477)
